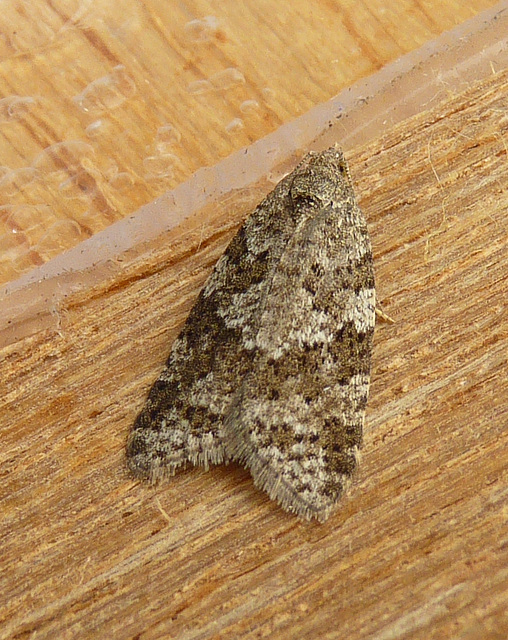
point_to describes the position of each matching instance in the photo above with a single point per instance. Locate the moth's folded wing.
(182, 420)
(297, 420)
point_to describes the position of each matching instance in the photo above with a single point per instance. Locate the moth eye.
(309, 189)
(302, 200)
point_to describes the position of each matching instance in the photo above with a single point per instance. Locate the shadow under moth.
(272, 366)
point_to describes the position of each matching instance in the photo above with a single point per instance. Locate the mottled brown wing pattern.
(182, 420)
(272, 367)
(297, 420)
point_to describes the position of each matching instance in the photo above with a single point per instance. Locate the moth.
(272, 366)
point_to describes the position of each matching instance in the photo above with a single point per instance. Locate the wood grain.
(99, 112)
(418, 547)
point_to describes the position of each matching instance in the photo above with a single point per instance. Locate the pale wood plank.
(101, 78)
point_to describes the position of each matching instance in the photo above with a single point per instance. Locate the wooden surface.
(104, 106)
(417, 549)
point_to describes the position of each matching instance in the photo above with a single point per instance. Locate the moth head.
(321, 178)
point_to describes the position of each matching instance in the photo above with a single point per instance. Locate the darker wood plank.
(415, 549)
